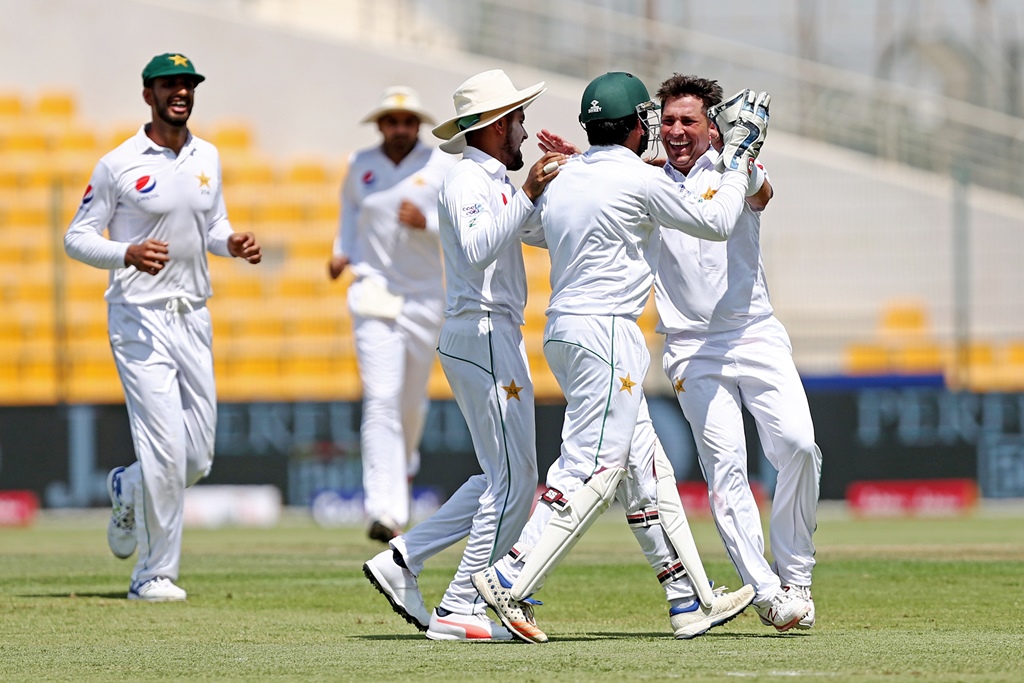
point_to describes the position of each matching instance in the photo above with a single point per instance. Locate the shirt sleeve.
(481, 233)
(532, 232)
(673, 206)
(84, 240)
(217, 227)
(345, 241)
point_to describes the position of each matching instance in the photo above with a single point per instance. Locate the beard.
(513, 152)
(175, 120)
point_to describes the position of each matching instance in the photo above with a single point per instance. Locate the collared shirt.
(369, 234)
(705, 287)
(600, 218)
(482, 218)
(141, 190)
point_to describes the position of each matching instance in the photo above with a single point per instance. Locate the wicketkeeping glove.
(745, 137)
(724, 114)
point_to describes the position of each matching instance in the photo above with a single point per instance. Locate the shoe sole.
(723, 620)
(485, 592)
(136, 596)
(433, 635)
(110, 524)
(395, 605)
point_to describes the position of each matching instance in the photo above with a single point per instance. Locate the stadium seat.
(231, 136)
(904, 320)
(866, 359)
(56, 104)
(918, 358)
(12, 106)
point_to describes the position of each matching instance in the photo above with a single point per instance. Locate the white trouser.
(484, 359)
(395, 359)
(600, 364)
(164, 359)
(752, 367)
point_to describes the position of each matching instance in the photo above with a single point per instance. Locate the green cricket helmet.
(614, 95)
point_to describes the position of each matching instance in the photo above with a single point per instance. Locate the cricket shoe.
(478, 628)
(803, 592)
(159, 589)
(399, 586)
(692, 620)
(383, 530)
(784, 611)
(515, 615)
(121, 527)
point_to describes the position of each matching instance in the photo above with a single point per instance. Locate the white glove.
(746, 135)
(724, 114)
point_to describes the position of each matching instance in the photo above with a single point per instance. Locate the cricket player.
(388, 236)
(159, 195)
(725, 350)
(600, 219)
(482, 219)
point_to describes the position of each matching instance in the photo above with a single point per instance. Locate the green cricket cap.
(170, 64)
(614, 95)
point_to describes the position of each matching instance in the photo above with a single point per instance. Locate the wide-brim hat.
(398, 98)
(170, 64)
(480, 101)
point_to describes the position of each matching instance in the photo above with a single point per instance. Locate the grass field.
(923, 600)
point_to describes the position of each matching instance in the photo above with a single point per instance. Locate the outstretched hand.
(244, 245)
(552, 142)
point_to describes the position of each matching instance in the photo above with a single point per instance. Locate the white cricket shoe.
(803, 592)
(399, 586)
(478, 628)
(121, 527)
(784, 611)
(159, 589)
(515, 615)
(693, 620)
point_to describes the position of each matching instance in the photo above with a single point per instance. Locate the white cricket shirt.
(141, 190)
(482, 220)
(600, 218)
(369, 233)
(702, 286)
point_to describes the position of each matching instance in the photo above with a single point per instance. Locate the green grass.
(924, 600)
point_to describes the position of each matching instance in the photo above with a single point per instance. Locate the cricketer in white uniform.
(724, 350)
(388, 236)
(600, 219)
(484, 358)
(159, 195)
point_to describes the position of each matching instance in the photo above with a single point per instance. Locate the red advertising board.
(918, 497)
(18, 508)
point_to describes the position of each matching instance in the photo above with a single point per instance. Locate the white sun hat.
(398, 98)
(480, 101)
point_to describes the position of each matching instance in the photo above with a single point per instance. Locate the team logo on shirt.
(678, 385)
(369, 178)
(87, 197)
(472, 209)
(709, 193)
(512, 391)
(145, 184)
(627, 384)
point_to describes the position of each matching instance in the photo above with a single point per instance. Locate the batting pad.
(565, 528)
(673, 521)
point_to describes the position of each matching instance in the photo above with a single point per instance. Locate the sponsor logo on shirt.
(369, 178)
(472, 209)
(87, 197)
(145, 184)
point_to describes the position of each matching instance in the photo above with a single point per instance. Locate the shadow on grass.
(119, 595)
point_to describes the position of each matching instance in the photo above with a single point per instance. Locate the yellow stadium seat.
(25, 139)
(866, 359)
(74, 139)
(231, 136)
(11, 106)
(916, 358)
(121, 132)
(56, 104)
(307, 172)
(240, 168)
(904, 320)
